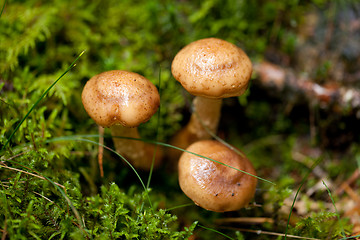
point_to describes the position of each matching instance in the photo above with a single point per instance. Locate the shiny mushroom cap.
(120, 97)
(212, 68)
(214, 186)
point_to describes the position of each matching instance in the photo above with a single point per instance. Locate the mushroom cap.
(214, 186)
(120, 97)
(212, 68)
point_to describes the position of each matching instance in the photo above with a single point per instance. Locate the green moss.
(318, 225)
(33, 207)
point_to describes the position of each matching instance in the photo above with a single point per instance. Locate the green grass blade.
(297, 193)
(216, 137)
(38, 101)
(213, 230)
(180, 206)
(337, 213)
(351, 237)
(2, 9)
(77, 138)
(184, 150)
(157, 134)
(66, 138)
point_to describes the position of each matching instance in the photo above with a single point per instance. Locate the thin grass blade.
(2, 9)
(337, 213)
(77, 138)
(66, 138)
(297, 193)
(38, 101)
(213, 230)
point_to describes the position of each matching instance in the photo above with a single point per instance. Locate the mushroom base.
(137, 152)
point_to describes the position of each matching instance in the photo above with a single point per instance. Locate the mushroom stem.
(137, 152)
(206, 111)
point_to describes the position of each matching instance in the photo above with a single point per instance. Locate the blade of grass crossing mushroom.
(155, 149)
(38, 101)
(180, 149)
(297, 193)
(337, 213)
(216, 137)
(66, 138)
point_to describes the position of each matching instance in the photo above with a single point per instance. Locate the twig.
(45, 198)
(268, 233)
(32, 174)
(353, 195)
(245, 220)
(348, 182)
(4, 231)
(15, 156)
(280, 79)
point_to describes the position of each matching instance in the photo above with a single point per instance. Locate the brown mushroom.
(122, 100)
(214, 186)
(210, 69)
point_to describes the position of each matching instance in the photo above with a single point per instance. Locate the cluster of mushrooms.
(210, 69)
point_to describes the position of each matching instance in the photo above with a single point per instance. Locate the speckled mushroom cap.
(120, 97)
(211, 185)
(212, 68)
